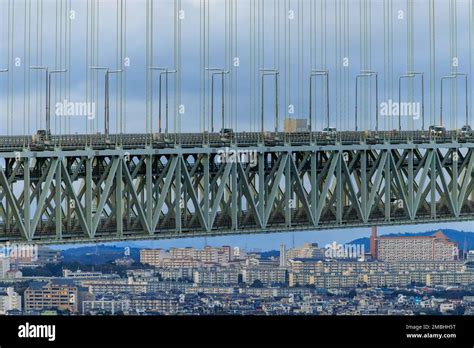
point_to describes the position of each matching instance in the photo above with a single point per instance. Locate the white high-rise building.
(307, 251)
(4, 266)
(9, 300)
(283, 259)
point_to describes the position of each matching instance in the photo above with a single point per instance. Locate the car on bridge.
(227, 131)
(466, 130)
(464, 133)
(371, 137)
(41, 137)
(330, 132)
(226, 134)
(437, 131)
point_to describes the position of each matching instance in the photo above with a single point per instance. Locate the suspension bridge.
(283, 130)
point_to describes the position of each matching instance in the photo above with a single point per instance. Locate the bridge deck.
(62, 196)
(156, 140)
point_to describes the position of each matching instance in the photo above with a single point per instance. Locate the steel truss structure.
(104, 195)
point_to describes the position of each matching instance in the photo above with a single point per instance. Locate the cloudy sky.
(283, 34)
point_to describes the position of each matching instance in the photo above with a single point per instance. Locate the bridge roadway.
(160, 140)
(150, 188)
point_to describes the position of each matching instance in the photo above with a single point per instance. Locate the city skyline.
(263, 242)
(300, 280)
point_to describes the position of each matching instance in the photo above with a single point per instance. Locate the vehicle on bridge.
(465, 133)
(466, 130)
(437, 131)
(226, 134)
(41, 137)
(330, 132)
(371, 137)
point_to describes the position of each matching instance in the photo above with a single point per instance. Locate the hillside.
(97, 254)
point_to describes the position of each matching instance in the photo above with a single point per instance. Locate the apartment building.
(9, 300)
(409, 248)
(57, 294)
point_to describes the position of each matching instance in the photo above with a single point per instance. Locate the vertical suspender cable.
(56, 63)
(311, 51)
(322, 46)
(311, 33)
(125, 72)
(300, 56)
(285, 55)
(62, 46)
(347, 70)
(471, 37)
(12, 43)
(260, 56)
(122, 57)
(361, 56)
(453, 44)
(432, 23)
(336, 58)
(339, 62)
(96, 57)
(390, 63)
(27, 68)
(236, 54)
(207, 62)
(179, 69)
(9, 41)
(226, 49)
(455, 48)
(60, 53)
(148, 64)
(251, 72)
(175, 63)
(385, 53)
(201, 68)
(87, 64)
(69, 59)
(303, 60)
(275, 17)
(289, 98)
(92, 63)
(370, 96)
(25, 57)
(116, 67)
(97, 47)
(36, 63)
(257, 57)
(227, 65)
